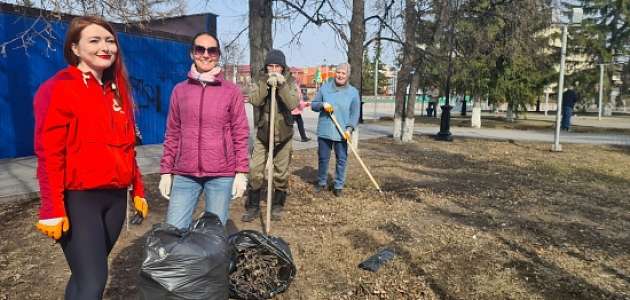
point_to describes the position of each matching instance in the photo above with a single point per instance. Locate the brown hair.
(117, 72)
(192, 42)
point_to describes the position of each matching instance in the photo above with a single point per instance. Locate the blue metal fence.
(154, 64)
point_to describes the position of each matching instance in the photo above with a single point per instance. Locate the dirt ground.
(471, 219)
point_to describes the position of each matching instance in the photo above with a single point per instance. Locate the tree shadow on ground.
(622, 149)
(362, 240)
(540, 272)
(530, 202)
(125, 271)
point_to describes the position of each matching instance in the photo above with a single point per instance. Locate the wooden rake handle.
(341, 131)
(270, 150)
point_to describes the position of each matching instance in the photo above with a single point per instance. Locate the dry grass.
(470, 219)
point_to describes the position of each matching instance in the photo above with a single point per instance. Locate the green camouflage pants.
(281, 161)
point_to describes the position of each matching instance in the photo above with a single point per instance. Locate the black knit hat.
(275, 56)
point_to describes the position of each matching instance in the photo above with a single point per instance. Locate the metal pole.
(375, 85)
(556, 140)
(601, 91)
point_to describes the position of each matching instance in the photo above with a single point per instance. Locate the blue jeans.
(567, 112)
(185, 195)
(341, 154)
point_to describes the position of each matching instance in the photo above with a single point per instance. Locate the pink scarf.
(205, 77)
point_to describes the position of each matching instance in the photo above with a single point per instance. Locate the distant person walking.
(339, 97)
(206, 139)
(86, 160)
(569, 98)
(297, 115)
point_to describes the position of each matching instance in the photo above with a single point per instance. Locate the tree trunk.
(355, 48)
(509, 115)
(260, 33)
(408, 125)
(405, 74)
(401, 86)
(475, 120)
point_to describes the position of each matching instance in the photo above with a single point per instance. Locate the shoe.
(337, 192)
(306, 139)
(277, 207)
(251, 214)
(252, 206)
(319, 188)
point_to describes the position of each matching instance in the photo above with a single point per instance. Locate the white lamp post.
(576, 17)
(617, 60)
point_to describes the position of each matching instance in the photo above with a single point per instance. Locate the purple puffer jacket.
(206, 130)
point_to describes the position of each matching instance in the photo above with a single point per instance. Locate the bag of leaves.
(261, 266)
(186, 264)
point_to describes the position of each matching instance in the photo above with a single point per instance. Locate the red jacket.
(81, 142)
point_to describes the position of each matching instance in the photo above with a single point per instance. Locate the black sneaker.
(276, 212)
(251, 214)
(337, 192)
(319, 188)
(306, 139)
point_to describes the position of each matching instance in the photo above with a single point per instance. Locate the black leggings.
(300, 123)
(96, 218)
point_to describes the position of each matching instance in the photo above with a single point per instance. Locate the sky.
(318, 44)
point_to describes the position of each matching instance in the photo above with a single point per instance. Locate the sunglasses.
(200, 50)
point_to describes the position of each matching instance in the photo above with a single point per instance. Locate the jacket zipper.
(224, 145)
(203, 90)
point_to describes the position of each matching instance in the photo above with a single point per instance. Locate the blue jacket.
(345, 102)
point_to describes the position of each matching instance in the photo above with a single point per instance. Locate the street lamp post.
(556, 140)
(576, 17)
(445, 118)
(617, 60)
(601, 91)
(375, 84)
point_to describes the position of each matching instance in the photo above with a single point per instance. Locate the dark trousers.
(300, 123)
(567, 112)
(96, 218)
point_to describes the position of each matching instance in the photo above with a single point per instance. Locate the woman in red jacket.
(84, 142)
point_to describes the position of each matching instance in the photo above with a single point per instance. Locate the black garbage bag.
(186, 264)
(261, 266)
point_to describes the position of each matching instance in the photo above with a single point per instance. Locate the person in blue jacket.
(339, 98)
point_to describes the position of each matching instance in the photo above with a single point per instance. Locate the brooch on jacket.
(115, 105)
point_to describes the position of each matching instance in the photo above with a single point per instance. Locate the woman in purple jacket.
(206, 139)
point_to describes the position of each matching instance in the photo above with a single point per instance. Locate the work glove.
(239, 185)
(142, 210)
(166, 181)
(54, 227)
(275, 79)
(347, 135)
(328, 107)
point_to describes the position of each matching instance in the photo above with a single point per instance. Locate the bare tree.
(122, 11)
(355, 47)
(260, 33)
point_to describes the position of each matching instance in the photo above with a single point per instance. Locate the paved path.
(18, 181)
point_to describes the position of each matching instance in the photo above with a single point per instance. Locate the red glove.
(54, 227)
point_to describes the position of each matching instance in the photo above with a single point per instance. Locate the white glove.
(275, 79)
(239, 185)
(166, 181)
